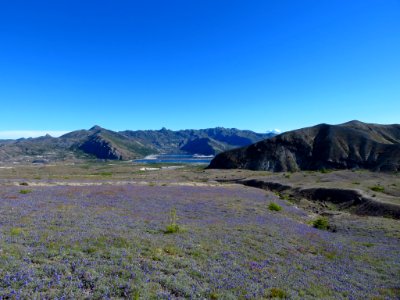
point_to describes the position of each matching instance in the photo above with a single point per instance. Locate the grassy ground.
(101, 231)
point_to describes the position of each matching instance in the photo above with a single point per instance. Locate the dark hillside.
(346, 146)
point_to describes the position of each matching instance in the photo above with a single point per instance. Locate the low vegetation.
(321, 223)
(274, 206)
(172, 226)
(25, 191)
(278, 293)
(377, 188)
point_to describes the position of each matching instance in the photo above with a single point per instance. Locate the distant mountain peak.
(354, 122)
(95, 128)
(274, 131)
(44, 137)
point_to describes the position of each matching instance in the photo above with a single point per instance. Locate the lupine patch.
(109, 242)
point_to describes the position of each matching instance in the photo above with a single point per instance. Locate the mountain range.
(346, 146)
(101, 143)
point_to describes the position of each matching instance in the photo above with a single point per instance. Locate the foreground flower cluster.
(110, 241)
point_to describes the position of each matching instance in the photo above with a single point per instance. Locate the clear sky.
(258, 65)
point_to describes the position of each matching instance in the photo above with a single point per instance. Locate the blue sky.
(258, 65)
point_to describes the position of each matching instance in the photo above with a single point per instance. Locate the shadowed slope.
(349, 145)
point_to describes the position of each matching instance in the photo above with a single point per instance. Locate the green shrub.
(14, 231)
(274, 207)
(172, 226)
(106, 174)
(25, 191)
(321, 223)
(284, 197)
(277, 293)
(377, 188)
(214, 296)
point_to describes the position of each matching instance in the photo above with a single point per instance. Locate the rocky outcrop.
(346, 146)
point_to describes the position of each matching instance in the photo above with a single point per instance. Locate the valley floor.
(101, 230)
